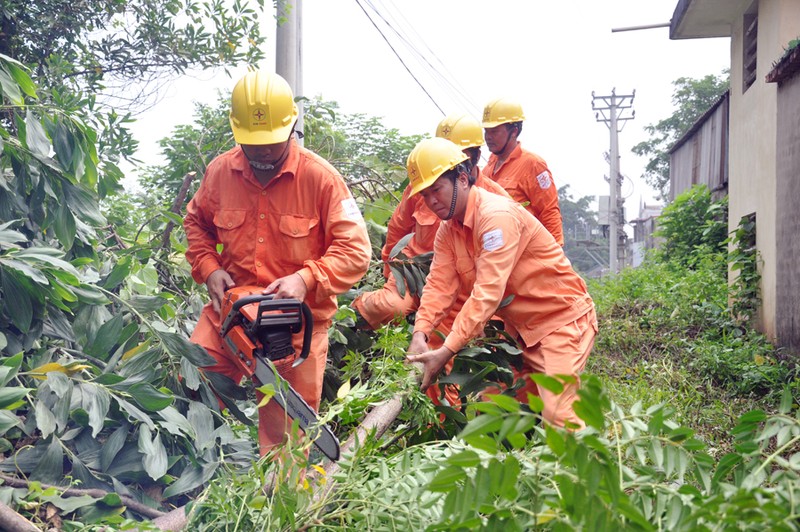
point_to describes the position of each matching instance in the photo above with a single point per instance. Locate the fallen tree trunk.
(11, 520)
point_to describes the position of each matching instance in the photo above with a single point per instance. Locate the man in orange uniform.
(413, 216)
(286, 221)
(493, 248)
(523, 174)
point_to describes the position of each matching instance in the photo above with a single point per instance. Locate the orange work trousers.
(562, 352)
(273, 422)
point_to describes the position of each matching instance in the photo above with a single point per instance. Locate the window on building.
(750, 47)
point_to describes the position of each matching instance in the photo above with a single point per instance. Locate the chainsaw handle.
(308, 330)
(305, 311)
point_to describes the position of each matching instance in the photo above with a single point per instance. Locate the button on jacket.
(303, 221)
(499, 251)
(528, 180)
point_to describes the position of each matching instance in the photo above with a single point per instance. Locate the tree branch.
(132, 504)
(11, 520)
(176, 206)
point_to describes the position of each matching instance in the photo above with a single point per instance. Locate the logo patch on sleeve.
(350, 208)
(544, 180)
(493, 240)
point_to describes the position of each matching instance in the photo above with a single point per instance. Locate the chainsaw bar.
(297, 409)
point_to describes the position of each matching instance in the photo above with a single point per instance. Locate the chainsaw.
(256, 331)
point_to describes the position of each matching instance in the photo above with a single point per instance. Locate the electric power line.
(400, 58)
(446, 80)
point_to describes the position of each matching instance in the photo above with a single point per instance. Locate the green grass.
(666, 337)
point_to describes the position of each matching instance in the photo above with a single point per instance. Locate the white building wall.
(753, 117)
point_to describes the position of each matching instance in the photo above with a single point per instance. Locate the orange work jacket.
(499, 251)
(527, 179)
(413, 216)
(303, 221)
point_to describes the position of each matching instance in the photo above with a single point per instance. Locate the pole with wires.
(609, 109)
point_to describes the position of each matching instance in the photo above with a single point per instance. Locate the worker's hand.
(217, 283)
(432, 363)
(289, 287)
(419, 344)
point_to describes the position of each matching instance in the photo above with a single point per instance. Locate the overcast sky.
(550, 55)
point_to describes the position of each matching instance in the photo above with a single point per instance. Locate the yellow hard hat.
(502, 111)
(262, 109)
(461, 129)
(429, 159)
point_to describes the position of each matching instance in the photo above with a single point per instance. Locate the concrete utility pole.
(610, 111)
(289, 50)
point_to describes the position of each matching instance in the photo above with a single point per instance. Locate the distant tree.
(583, 244)
(127, 48)
(691, 97)
(693, 226)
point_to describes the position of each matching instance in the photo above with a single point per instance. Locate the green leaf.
(9, 88)
(90, 295)
(35, 137)
(84, 204)
(535, 403)
(176, 423)
(411, 282)
(726, 464)
(786, 400)
(134, 412)
(46, 255)
(20, 267)
(484, 424)
(21, 312)
(106, 338)
(466, 458)
(112, 446)
(200, 418)
(69, 504)
(9, 368)
(401, 244)
(155, 455)
(551, 384)
(680, 434)
(50, 467)
(147, 304)
(96, 401)
(753, 416)
(556, 440)
(446, 480)
(9, 396)
(10, 238)
(118, 273)
(149, 398)
(509, 404)
(190, 374)
(178, 346)
(506, 301)
(64, 226)
(193, 477)
(7, 421)
(397, 272)
(63, 144)
(45, 420)
(23, 80)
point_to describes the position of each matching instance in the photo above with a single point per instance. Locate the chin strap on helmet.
(455, 197)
